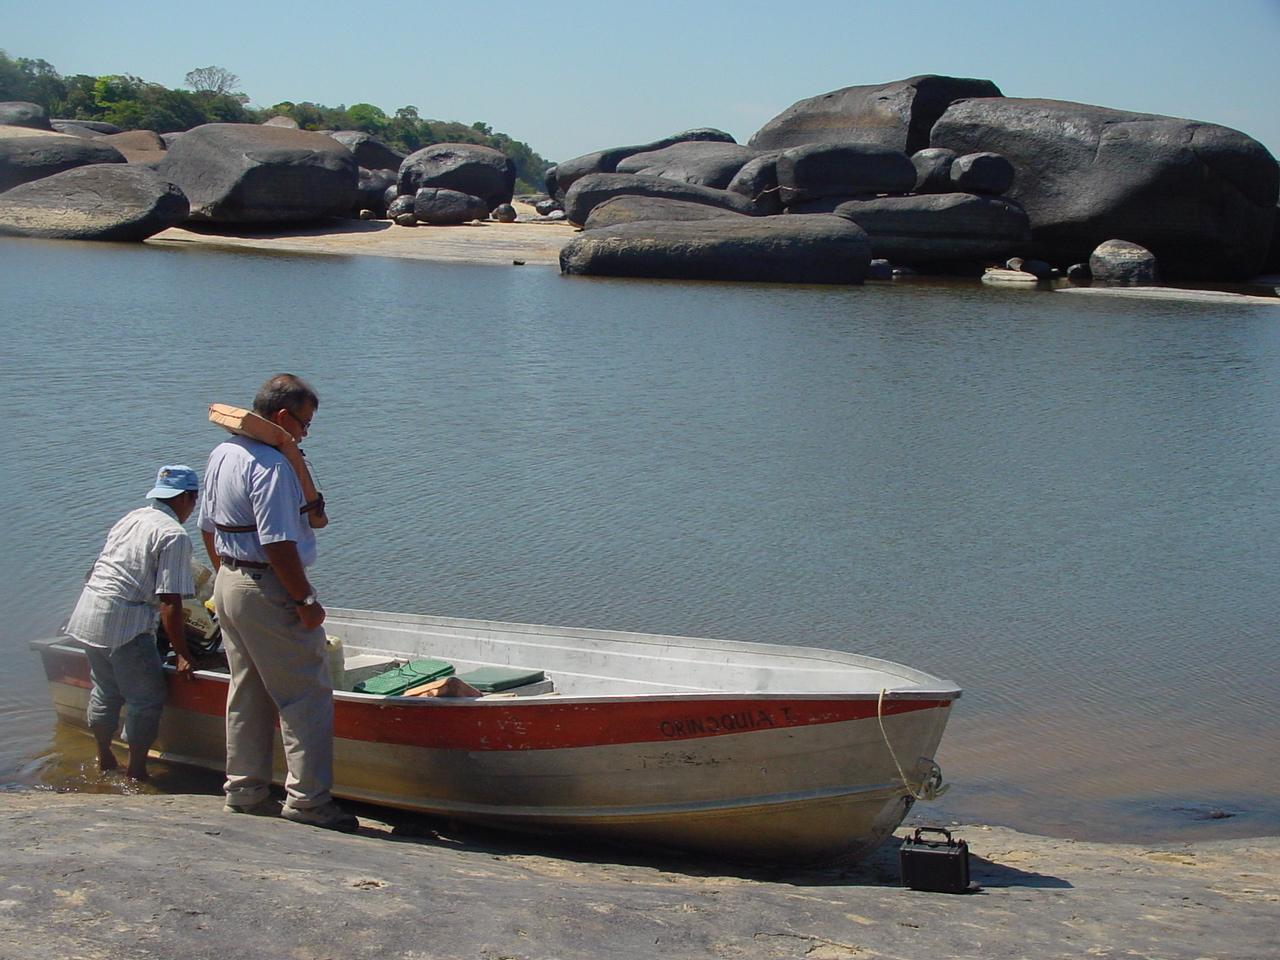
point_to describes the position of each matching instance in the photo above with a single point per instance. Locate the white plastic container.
(337, 662)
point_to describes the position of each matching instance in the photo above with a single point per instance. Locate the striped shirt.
(147, 553)
(250, 484)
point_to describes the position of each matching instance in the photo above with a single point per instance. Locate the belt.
(236, 564)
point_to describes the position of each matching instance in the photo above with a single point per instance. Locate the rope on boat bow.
(931, 785)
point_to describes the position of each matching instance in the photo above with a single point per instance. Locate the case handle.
(946, 833)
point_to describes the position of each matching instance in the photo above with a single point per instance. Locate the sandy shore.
(534, 242)
(91, 876)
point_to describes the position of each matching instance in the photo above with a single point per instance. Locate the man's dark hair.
(284, 391)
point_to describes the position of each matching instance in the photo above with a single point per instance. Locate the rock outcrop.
(818, 249)
(20, 113)
(637, 209)
(706, 162)
(448, 207)
(370, 152)
(986, 173)
(1118, 261)
(842, 169)
(898, 114)
(1201, 197)
(595, 188)
(246, 173)
(372, 187)
(464, 167)
(97, 126)
(566, 173)
(27, 154)
(758, 181)
(137, 146)
(939, 229)
(113, 201)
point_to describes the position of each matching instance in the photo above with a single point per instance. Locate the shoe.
(263, 808)
(329, 815)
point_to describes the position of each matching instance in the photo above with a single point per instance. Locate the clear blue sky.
(571, 77)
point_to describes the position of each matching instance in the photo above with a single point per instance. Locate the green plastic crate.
(493, 679)
(399, 679)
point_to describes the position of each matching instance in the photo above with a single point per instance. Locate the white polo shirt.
(147, 553)
(249, 483)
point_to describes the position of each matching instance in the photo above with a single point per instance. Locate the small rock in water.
(368, 215)
(1078, 272)
(1014, 263)
(406, 220)
(504, 213)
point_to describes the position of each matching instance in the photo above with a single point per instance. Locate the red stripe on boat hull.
(534, 724)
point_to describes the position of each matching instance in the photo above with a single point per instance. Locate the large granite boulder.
(108, 201)
(138, 146)
(448, 207)
(758, 181)
(20, 113)
(708, 162)
(595, 188)
(987, 173)
(371, 153)
(783, 249)
(933, 169)
(75, 130)
(841, 170)
(247, 173)
(1201, 197)
(606, 161)
(636, 209)
(465, 167)
(897, 114)
(372, 187)
(1118, 261)
(97, 126)
(27, 154)
(939, 228)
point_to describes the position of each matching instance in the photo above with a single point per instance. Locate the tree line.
(210, 96)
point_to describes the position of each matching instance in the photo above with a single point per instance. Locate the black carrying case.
(941, 866)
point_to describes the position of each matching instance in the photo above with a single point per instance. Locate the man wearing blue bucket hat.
(141, 576)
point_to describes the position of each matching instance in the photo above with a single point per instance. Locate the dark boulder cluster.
(451, 183)
(87, 180)
(940, 174)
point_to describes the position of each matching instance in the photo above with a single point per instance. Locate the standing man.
(257, 530)
(141, 576)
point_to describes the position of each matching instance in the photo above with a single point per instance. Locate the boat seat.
(361, 666)
(498, 679)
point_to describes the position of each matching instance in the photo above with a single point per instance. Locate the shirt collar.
(164, 505)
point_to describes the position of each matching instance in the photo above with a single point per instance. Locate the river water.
(1068, 505)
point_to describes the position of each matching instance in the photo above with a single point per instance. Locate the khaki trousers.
(278, 668)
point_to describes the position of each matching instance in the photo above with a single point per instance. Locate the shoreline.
(487, 242)
(538, 242)
(155, 875)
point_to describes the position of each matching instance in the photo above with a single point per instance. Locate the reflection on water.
(1067, 505)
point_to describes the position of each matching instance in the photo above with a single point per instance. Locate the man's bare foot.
(140, 776)
(107, 762)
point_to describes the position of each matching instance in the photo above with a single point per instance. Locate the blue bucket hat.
(173, 480)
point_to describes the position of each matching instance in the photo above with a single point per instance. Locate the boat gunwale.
(929, 685)
(946, 695)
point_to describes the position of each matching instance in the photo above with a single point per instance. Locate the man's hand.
(312, 615)
(186, 669)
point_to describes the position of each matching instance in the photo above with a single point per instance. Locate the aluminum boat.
(740, 750)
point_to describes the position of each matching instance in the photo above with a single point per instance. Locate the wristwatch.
(308, 601)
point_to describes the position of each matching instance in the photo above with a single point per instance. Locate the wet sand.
(529, 239)
(159, 876)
